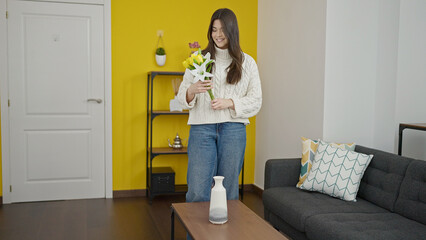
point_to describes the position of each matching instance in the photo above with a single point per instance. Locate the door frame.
(4, 94)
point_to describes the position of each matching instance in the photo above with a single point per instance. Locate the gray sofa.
(391, 202)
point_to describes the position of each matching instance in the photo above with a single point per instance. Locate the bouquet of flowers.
(200, 66)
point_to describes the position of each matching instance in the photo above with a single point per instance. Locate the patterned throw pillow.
(336, 172)
(309, 147)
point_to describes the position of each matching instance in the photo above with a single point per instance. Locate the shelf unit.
(152, 152)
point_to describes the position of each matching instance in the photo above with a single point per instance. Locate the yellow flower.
(194, 58)
(185, 63)
(190, 61)
(200, 58)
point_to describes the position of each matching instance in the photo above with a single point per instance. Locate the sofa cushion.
(411, 201)
(363, 226)
(278, 223)
(383, 177)
(294, 206)
(336, 172)
(309, 148)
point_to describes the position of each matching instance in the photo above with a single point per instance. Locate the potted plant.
(160, 56)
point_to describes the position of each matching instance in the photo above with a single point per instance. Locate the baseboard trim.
(129, 193)
(142, 192)
(257, 190)
(247, 187)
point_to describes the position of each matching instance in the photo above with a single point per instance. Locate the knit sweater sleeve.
(186, 83)
(249, 105)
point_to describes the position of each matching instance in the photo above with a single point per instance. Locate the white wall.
(360, 75)
(387, 64)
(411, 77)
(291, 48)
(373, 76)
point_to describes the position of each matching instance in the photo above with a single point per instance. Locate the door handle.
(98, 100)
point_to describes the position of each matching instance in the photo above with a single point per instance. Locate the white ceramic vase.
(160, 59)
(175, 105)
(218, 213)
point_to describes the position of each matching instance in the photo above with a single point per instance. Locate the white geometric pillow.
(336, 172)
(309, 148)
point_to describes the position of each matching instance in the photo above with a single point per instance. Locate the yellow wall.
(134, 39)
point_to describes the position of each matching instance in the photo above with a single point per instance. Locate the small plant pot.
(160, 59)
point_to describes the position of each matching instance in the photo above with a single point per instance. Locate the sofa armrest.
(282, 172)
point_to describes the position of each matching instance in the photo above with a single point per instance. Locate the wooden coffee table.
(242, 223)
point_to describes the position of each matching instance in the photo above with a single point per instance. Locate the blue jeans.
(214, 150)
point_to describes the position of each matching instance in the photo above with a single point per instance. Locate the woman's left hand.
(220, 103)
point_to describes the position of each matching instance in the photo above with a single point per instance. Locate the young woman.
(217, 138)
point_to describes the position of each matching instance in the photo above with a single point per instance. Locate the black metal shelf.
(155, 73)
(155, 151)
(152, 152)
(166, 112)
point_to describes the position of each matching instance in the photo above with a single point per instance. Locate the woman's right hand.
(198, 87)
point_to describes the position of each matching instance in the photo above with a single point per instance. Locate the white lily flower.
(200, 71)
(207, 57)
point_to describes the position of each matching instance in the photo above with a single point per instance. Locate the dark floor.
(122, 218)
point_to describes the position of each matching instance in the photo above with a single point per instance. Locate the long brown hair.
(230, 27)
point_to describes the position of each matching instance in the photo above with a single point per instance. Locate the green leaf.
(209, 66)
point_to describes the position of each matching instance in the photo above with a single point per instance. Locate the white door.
(56, 74)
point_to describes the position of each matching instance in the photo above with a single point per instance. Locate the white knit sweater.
(246, 94)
